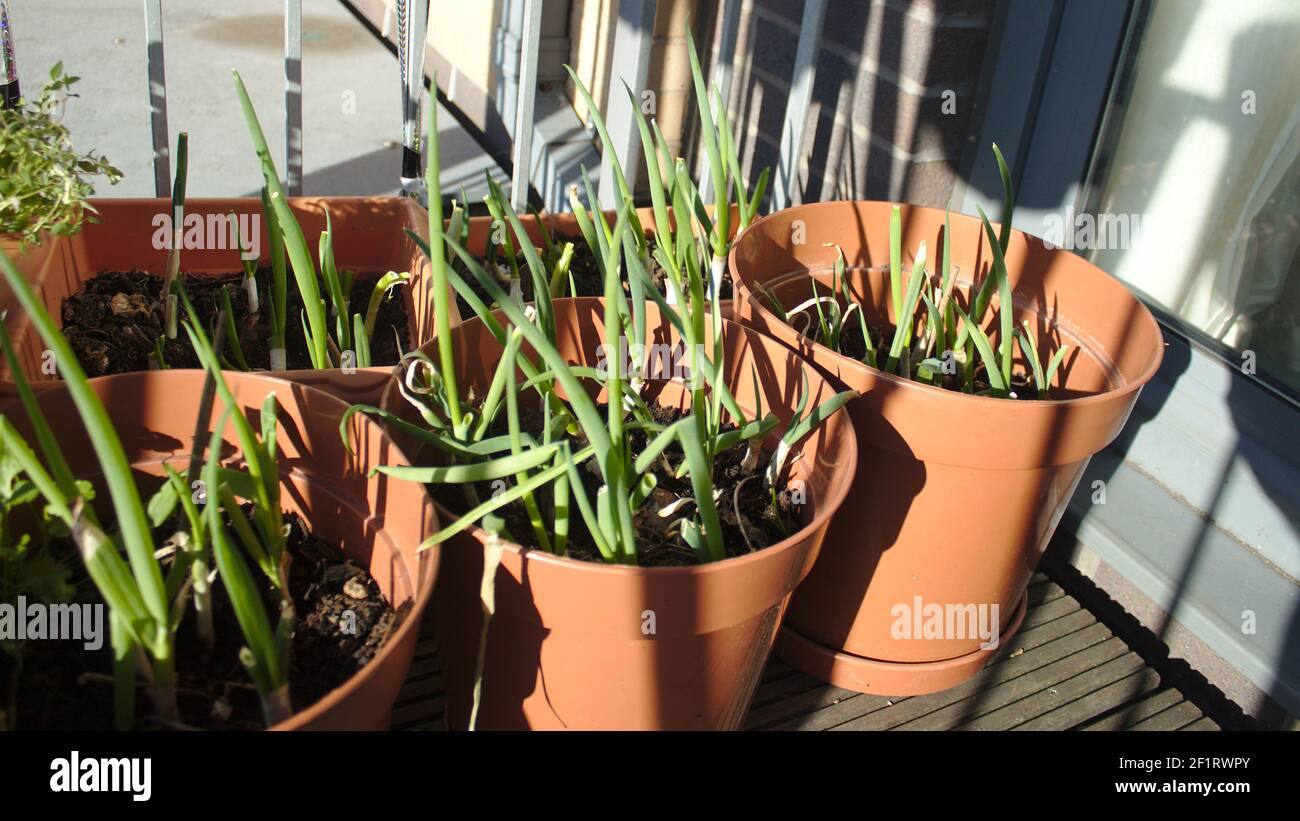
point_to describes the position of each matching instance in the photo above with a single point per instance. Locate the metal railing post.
(520, 178)
(153, 37)
(412, 25)
(631, 63)
(293, 96)
(796, 109)
(10, 93)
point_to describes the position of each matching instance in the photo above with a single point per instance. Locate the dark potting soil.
(657, 546)
(115, 321)
(585, 269)
(342, 621)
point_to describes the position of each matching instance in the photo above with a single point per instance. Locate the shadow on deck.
(1065, 670)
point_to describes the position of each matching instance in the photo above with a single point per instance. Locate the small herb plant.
(544, 469)
(945, 346)
(148, 596)
(44, 181)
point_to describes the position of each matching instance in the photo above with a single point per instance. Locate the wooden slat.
(792, 713)
(1033, 635)
(775, 669)
(1123, 718)
(421, 688)
(1005, 679)
(425, 667)
(828, 707)
(1052, 610)
(423, 711)
(1076, 650)
(1043, 593)
(1097, 702)
(1176, 717)
(1075, 676)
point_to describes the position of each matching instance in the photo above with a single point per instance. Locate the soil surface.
(114, 323)
(342, 621)
(584, 267)
(765, 521)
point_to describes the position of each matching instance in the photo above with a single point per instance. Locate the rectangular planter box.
(30, 263)
(368, 237)
(560, 226)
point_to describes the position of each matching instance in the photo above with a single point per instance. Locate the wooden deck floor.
(1064, 670)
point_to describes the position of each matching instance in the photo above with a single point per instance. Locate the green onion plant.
(934, 340)
(694, 230)
(325, 349)
(178, 233)
(149, 591)
(279, 294)
(544, 470)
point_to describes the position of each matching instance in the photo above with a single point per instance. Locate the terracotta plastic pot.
(378, 522)
(31, 263)
(570, 644)
(956, 496)
(368, 237)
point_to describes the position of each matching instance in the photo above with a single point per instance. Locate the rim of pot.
(1145, 317)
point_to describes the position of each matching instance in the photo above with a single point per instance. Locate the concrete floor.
(351, 93)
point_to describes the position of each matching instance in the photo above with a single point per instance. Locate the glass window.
(1201, 190)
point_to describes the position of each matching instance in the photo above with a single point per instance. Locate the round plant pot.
(378, 522)
(956, 496)
(585, 645)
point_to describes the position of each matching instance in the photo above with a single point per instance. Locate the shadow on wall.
(881, 122)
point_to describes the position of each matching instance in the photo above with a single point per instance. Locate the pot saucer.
(888, 678)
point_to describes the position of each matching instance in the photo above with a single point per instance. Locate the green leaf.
(1006, 303)
(903, 324)
(477, 472)
(242, 588)
(708, 132)
(1052, 366)
(593, 111)
(162, 505)
(701, 470)
(304, 270)
(1030, 349)
(985, 348)
(500, 500)
(1008, 199)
